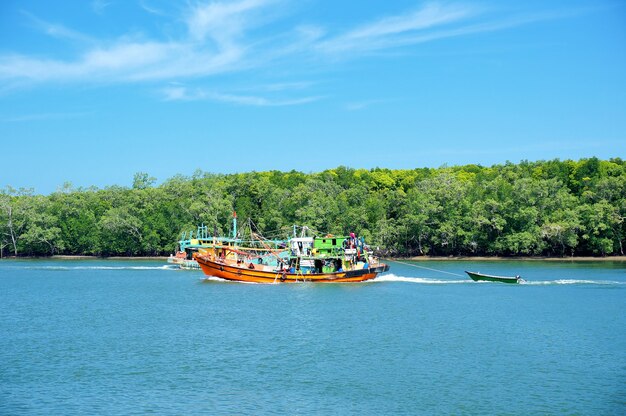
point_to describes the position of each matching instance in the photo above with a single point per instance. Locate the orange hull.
(241, 273)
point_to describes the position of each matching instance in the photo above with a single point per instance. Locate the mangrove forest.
(542, 208)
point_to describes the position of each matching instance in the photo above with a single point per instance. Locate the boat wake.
(163, 267)
(421, 280)
(212, 279)
(571, 282)
(219, 279)
(430, 281)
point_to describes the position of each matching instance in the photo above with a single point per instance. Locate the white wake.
(421, 280)
(430, 281)
(572, 282)
(162, 267)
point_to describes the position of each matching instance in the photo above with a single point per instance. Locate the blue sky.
(93, 92)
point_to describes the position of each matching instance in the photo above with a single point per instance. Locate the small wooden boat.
(476, 276)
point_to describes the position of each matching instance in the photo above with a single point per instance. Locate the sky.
(92, 92)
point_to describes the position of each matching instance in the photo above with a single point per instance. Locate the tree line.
(554, 208)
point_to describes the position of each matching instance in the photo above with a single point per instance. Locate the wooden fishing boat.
(311, 259)
(476, 276)
(254, 273)
(191, 245)
(188, 247)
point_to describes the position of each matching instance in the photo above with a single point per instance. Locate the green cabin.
(329, 246)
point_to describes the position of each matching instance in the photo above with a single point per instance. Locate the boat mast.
(234, 225)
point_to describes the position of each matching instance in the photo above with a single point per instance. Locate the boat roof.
(302, 239)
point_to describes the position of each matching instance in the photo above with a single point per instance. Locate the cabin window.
(334, 241)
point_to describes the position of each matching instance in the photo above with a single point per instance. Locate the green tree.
(42, 234)
(120, 232)
(143, 180)
(601, 222)
(14, 215)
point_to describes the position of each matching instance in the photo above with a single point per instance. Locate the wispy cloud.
(433, 21)
(150, 8)
(480, 27)
(222, 22)
(124, 61)
(393, 31)
(262, 101)
(361, 105)
(182, 93)
(212, 45)
(284, 86)
(56, 30)
(220, 37)
(99, 6)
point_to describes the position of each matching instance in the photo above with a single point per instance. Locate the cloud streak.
(212, 44)
(222, 22)
(99, 6)
(57, 30)
(361, 105)
(181, 93)
(394, 30)
(221, 38)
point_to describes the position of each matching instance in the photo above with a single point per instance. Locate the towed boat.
(476, 276)
(327, 259)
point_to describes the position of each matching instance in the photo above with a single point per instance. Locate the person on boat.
(352, 240)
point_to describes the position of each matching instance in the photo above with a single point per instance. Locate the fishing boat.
(190, 245)
(309, 259)
(476, 276)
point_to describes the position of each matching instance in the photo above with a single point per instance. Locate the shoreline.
(397, 259)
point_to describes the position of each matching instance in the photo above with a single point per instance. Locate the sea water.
(139, 337)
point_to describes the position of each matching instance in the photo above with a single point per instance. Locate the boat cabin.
(329, 246)
(301, 246)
